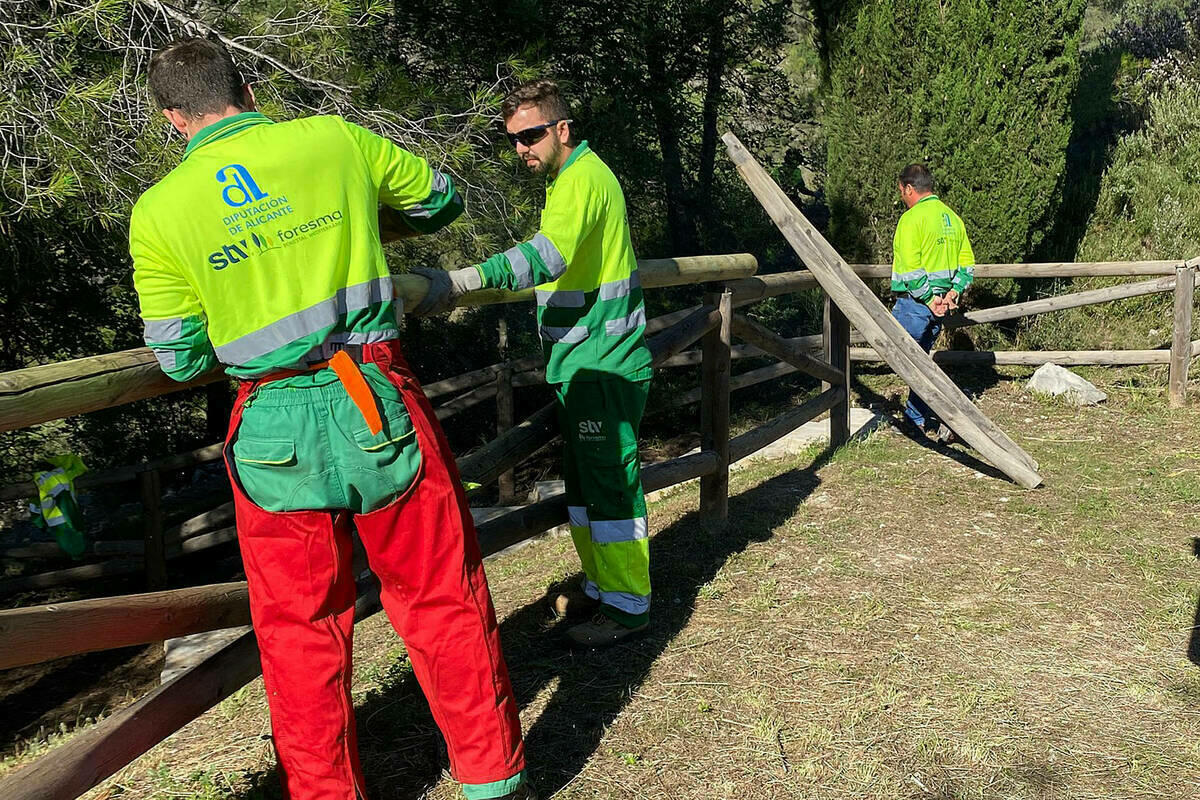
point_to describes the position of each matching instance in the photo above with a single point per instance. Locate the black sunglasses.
(531, 136)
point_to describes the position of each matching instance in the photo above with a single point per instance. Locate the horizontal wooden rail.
(784, 349)
(129, 565)
(43, 633)
(52, 391)
(760, 287)
(93, 755)
(1069, 358)
(754, 440)
(1061, 302)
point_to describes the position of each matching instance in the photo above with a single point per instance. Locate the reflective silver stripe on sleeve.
(561, 298)
(615, 289)
(166, 358)
(564, 335)
(520, 267)
(578, 516)
(619, 530)
(296, 326)
(163, 330)
(625, 601)
(549, 253)
(908, 276)
(425, 209)
(619, 327)
(940, 275)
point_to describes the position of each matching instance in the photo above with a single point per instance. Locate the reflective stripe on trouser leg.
(600, 421)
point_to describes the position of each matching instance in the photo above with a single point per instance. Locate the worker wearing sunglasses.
(592, 321)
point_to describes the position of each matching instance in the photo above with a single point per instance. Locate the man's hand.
(445, 288)
(937, 305)
(952, 300)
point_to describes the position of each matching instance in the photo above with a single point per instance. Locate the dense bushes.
(978, 90)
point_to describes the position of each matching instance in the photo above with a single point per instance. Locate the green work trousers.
(599, 420)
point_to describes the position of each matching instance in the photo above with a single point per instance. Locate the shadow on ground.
(402, 753)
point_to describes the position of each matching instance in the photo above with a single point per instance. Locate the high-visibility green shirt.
(261, 250)
(931, 253)
(590, 311)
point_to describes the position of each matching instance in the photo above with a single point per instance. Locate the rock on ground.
(1054, 380)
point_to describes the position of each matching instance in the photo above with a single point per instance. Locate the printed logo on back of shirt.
(238, 187)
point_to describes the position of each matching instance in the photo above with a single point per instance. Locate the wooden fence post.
(837, 353)
(506, 483)
(152, 530)
(1181, 340)
(714, 406)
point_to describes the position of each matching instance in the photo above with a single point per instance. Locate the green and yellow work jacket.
(931, 253)
(590, 311)
(261, 250)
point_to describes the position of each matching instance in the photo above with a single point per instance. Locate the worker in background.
(932, 266)
(592, 321)
(261, 252)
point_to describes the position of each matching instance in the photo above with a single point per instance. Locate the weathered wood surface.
(836, 334)
(100, 751)
(1181, 335)
(714, 407)
(1033, 358)
(760, 287)
(42, 633)
(742, 380)
(869, 316)
(51, 391)
(784, 349)
(754, 440)
(1061, 302)
(539, 429)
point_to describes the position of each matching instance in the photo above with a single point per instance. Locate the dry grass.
(892, 624)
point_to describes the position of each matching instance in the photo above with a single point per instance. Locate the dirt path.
(892, 624)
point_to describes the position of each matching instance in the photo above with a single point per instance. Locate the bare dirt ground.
(887, 622)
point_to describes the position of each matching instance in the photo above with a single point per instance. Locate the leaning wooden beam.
(769, 341)
(1061, 302)
(1033, 358)
(51, 391)
(868, 315)
(754, 440)
(42, 633)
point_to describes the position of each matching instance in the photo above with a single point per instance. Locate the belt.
(345, 366)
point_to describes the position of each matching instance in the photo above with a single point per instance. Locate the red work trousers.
(424, 550)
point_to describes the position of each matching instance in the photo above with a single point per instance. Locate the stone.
(1057, 381)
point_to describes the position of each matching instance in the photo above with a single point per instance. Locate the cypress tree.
(980, 91)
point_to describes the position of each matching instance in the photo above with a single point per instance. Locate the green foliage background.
(1059, 129)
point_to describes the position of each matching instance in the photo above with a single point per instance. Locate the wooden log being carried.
(868, 315)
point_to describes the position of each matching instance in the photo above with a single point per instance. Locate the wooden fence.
(37, 634)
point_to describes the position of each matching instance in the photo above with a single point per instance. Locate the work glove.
(445, 287)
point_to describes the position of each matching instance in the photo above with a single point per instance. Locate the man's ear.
(177, 119)
(248, 101)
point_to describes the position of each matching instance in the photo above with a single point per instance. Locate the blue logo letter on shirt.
(242, 190)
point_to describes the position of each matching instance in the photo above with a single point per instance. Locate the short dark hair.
(543, 93)
(196, 77)
(917, 176)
